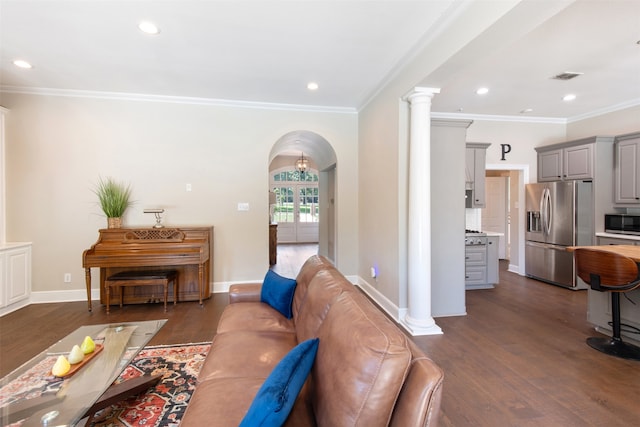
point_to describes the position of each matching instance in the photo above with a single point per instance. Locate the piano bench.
(143, 278)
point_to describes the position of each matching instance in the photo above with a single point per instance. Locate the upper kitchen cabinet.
(475, 161)
(566, 161)
(627, 169)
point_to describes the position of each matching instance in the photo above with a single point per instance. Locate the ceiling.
(265, 52)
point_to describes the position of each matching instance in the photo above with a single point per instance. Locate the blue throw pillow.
(277, 291)
(275, 399)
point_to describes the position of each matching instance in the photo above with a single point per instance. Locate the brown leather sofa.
(366, 371)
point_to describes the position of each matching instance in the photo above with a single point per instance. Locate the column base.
(420, 327)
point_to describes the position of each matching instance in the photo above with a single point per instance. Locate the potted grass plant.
(114, 198)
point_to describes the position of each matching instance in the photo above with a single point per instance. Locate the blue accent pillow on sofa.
(275, 399)
(277, 291)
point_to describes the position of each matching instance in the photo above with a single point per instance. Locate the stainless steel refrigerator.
(559, 214)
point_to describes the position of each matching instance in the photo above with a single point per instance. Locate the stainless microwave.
(622, 224)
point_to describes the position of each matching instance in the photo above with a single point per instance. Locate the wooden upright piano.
(189, 250)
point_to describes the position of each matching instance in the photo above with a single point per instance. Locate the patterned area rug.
(164, 404)
(160, 406)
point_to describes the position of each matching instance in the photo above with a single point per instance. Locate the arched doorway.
(316, 193)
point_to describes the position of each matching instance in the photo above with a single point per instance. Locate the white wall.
(611, 124)
(57, 147)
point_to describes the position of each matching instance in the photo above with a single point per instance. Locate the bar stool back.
(609, 272)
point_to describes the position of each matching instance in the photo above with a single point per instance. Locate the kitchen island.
(599, 309)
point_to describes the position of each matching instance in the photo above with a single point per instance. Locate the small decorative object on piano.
(157, 212)
(114, 198)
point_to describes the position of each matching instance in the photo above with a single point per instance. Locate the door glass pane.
(308, 197)
(283, 211)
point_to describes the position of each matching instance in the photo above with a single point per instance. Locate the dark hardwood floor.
(518, 358)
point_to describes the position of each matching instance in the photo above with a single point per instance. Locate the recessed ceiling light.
(569, 97)
(526, 110)
(312, 86)
(22, 63)
(482, 91)
(148, 28)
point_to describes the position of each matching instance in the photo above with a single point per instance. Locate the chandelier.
(302, 164)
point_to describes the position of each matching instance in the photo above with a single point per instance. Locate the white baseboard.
(385, 303)
(514, 269)
(222, 287)
(13, 307)
(45, 297)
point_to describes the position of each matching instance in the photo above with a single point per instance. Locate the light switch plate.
(243, 206)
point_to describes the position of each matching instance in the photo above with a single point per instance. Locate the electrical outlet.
(67, 277)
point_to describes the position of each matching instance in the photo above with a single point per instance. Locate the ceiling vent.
(567, 75)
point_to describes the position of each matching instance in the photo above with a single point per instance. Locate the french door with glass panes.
(296, 210)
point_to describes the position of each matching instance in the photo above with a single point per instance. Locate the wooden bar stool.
(609, 272)
(142, 278)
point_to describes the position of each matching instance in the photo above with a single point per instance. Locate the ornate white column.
(418, 319)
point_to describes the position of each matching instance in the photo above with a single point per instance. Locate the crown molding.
(122, 96)
(606, 110)
(533, 119)
(497, 118)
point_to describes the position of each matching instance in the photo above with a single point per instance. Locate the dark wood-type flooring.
(518, 358)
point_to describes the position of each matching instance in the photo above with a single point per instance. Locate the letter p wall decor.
(506, 148)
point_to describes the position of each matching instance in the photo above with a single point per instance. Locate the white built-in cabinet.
(475, 165)
(15, 276)
(573, 160)
(15, 258)
(627, 169)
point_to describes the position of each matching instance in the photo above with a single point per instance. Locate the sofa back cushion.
(309, 269)
(322, 291)
(360, 366)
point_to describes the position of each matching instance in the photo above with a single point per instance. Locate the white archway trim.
(524, 179)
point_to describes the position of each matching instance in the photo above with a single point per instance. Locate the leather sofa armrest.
(246, 292)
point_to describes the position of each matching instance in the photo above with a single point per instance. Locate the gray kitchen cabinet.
(627, 169)
(492, 259)
(475, 166)
(565, 161)
(475, 266)
(617, 241)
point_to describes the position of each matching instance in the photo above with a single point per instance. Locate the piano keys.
(189, 250)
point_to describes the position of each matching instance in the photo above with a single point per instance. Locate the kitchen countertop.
(631, 251)
(619, 236)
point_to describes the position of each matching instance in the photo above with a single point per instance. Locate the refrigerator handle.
(542, 211)
(549, 212)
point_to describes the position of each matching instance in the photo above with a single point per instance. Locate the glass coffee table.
(31, 392)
